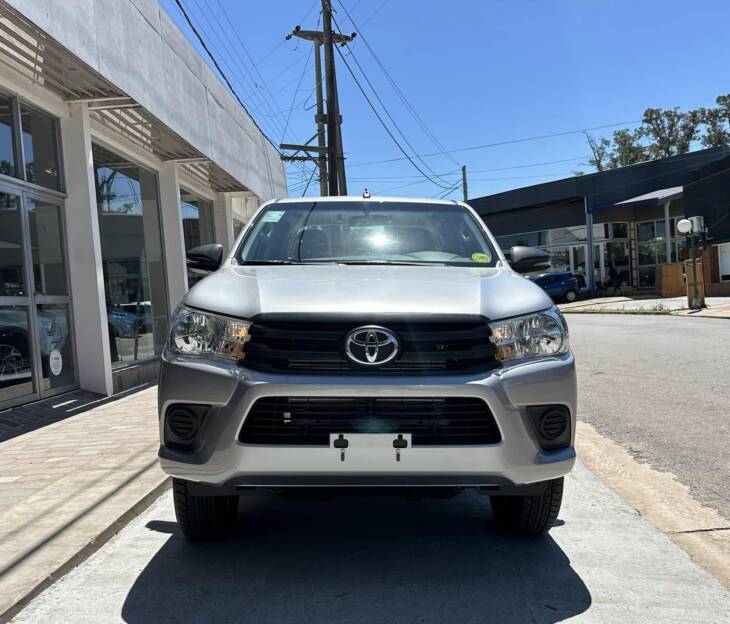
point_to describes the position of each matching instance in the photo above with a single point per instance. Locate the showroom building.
(119, 150)
(623, 221)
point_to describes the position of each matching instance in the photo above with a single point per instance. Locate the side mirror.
(206, 258)
(527, 259)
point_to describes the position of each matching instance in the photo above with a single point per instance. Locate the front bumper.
(220, 459)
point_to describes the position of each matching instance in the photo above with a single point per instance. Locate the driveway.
(387, 559)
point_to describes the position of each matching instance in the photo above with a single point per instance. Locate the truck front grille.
(437, 345)
(311, 420)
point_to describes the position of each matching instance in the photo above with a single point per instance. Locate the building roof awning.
(36, 56)
(655, 198)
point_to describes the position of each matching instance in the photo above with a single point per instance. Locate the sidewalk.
(717, 307)
(69, 486)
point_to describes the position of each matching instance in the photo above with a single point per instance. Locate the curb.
(94, 544)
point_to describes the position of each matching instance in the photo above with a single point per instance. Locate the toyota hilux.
(373, 343)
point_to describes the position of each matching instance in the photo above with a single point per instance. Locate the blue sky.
(476, 72)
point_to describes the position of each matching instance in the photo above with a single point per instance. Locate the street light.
(692, 227)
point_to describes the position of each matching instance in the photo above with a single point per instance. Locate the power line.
(296, 92)
(382, 122)
(375, 12)
(395, 86)
(500, 143)
(385, 109)
(220, 71)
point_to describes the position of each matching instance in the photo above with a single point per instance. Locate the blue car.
(562, 286)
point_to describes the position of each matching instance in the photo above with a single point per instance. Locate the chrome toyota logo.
(371, 345)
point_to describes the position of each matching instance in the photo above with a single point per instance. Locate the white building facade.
(119, 150)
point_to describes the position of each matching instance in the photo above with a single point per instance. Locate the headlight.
(541, 334)
(201, 333)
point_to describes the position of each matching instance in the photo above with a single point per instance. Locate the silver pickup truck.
(370, 342)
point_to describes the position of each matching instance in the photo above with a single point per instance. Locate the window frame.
(20, 176)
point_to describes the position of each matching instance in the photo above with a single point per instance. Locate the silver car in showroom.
(372, 343)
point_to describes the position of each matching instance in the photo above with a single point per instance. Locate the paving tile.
(64, 483)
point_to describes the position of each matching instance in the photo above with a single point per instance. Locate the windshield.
(366, 233)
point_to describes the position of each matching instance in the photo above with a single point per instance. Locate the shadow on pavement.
(358, 559)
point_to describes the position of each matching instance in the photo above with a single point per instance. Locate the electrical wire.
(385, 109)
(382, 122)
(220, 71)
(507, 142)
(393, 83)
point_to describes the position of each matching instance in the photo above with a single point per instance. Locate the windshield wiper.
(393, 262)
(265, 262)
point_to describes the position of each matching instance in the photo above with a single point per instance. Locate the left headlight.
(201, 333)
(533, 335)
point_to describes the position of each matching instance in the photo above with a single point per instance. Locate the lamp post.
(692, 227)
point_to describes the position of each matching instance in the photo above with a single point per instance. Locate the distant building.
(119, 150)
(623, 218)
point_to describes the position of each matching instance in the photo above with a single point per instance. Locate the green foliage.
(662, 133)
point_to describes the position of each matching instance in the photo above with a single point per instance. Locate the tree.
(717, 123)
(670, 131)
(600, 152)
(627, 148)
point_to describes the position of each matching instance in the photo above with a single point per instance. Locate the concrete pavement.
(386, 559)
(717, 307)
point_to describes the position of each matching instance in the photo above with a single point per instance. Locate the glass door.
(17, 354)
(37, 357)
(51, 302)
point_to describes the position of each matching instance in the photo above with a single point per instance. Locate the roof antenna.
(366, 194)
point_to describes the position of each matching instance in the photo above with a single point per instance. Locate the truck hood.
(346, 289)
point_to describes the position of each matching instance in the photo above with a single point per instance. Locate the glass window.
(197, 220)
(46, 240)
(723, 251)
(647, 276)
(131, 247)
(16, 370)
(647, 253)
(620, 230)
(39, 148)
(12, 279)
(7, 151)
(645, 231)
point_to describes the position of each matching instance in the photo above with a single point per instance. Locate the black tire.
(203, 517)
(570, 296)
(529, 515)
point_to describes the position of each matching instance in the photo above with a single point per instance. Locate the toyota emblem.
(371, 345)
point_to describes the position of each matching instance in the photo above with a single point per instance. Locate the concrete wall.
(137, 46)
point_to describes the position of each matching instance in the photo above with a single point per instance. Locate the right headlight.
(202, 333)
(532, 335)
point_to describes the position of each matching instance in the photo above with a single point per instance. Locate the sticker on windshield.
(480, 257)
(272, 216)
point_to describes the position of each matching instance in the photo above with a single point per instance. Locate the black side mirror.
(527, 259)
(206, 258)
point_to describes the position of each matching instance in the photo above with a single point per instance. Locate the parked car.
(560, 286)
(365, 342)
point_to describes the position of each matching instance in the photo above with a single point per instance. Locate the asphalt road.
(387, 559)
(660, 387)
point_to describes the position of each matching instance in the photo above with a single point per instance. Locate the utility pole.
(463, 180)
(329, 156)
(320, 119)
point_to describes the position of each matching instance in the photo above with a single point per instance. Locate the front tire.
(203, 517)
(570, 296)
(529, 515)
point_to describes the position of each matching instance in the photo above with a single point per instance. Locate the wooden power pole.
(328, 154)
